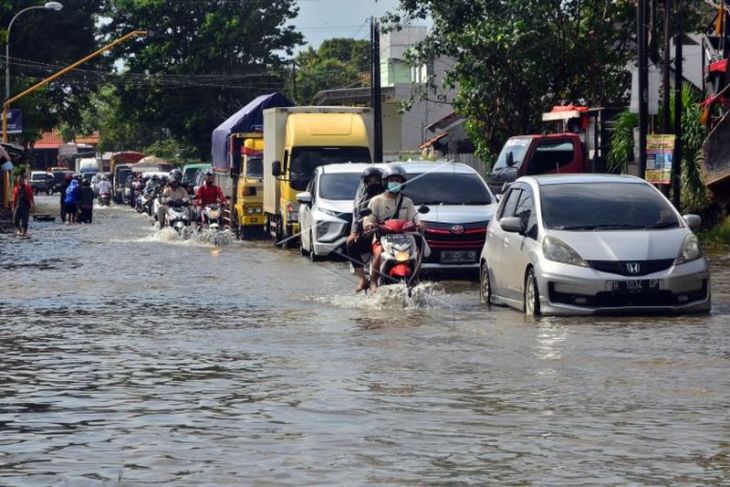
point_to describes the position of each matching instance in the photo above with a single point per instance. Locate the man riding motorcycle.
(104, 187)
(390, 205)
(359, 243)
(209, 193)
(173, 191)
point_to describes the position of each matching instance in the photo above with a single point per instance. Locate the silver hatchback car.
(588, 244)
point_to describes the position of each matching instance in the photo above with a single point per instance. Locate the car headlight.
(258, 210)
(690, 250)
(558, 251)
(250, 210)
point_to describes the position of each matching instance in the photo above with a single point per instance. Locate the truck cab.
(297, 141)
(528, 155)
(248, 166)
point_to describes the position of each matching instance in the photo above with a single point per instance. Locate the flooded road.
(128, 357)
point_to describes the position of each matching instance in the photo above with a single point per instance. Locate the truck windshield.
(549, 156)
(339, 186)
(518, 146)
(605, 206)
(304, 160)
(440, 188)
(255, 167)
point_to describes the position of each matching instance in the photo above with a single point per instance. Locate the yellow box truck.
(296, 141)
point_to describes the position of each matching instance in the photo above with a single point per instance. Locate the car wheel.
(312, 255)
(485, 286)
(531, 295)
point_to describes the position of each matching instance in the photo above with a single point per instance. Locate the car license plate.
(634, 287)
(458, 256)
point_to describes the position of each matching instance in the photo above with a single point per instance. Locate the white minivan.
(325, 214)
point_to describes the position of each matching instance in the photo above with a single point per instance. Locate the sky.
(323, 19)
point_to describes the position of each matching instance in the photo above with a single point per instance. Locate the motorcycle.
(178, 216)
(210, 217)
(105, 199)
(403, 251)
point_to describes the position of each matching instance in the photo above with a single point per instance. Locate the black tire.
(485, 285)
(531, 295)
(312, 256)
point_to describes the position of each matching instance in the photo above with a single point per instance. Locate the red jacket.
(28, 192)
(207, 195)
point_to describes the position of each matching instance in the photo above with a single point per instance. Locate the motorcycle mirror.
(423, 209)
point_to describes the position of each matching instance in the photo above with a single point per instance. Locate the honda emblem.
(633, 267)
(457, 230)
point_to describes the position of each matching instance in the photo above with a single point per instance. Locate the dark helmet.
(155, 177)
(208, 173)
(371, 171)
(175, 176)
(392, 170)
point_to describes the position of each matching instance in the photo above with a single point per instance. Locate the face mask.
(394, 187)
(209, 183)
(374, 189)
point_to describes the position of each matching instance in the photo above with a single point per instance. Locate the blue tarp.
(248, 119)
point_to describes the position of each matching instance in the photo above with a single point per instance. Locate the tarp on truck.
(248, 119)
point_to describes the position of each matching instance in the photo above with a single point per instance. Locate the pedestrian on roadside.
(23, 202)
(86, 202)
(72, 201)
(64, 187)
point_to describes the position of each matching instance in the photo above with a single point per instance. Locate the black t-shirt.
(86, 196)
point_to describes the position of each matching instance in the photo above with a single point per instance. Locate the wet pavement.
(129, 357)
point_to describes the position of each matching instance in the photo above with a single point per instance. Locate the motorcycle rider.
(152, 185)
(359, 243)
(173, 191)
(391, 205)
(209, 193)
(104, 186)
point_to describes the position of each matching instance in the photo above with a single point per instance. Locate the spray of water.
(427, 295)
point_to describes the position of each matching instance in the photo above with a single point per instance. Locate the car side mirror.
(693, 221)
(512, 224)
(423, 209)
(305, 198)
(276, 169)
(510, 159)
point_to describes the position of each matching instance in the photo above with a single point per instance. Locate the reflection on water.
(128, 357)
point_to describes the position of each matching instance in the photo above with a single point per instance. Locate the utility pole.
(678, 108)
(665, 68)
(376, 91)
(641, 32)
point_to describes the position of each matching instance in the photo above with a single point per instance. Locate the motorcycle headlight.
(558, 251)
(690, 250)
(214, 214)
(402, 256)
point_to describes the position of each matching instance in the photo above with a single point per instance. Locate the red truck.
(576, 149)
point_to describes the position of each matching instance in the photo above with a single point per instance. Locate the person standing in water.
(23, 202)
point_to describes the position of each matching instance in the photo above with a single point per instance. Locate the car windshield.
(518, 146)
(191, 174)
(304, 160)
(339, 186)
(254, 167)
(445, 188)
(605, 206)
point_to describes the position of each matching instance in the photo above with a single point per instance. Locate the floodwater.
(128, 357)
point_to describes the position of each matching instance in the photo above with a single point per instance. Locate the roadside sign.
(15, 121)
(659, 157)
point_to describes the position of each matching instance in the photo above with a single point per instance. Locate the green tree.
(515, 59)
(338, 63)
(203, 60)
(42, 42)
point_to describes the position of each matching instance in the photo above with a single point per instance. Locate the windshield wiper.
(673, 224)
(606, 226)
